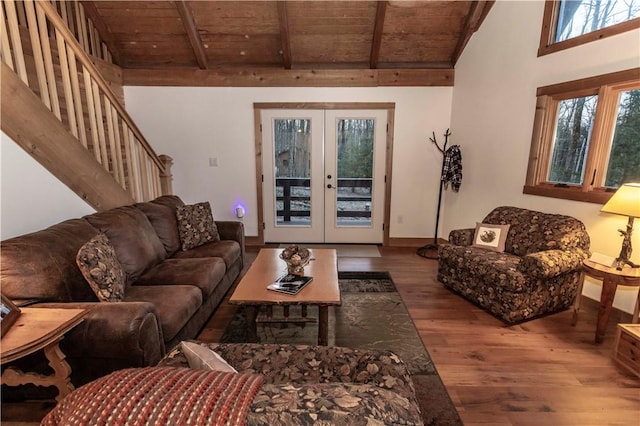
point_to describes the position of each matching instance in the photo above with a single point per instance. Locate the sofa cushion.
(42, 265)
(481, 265)
(132, 235)
(196, 225)
(227, 250)
(99, 265)
(175, 304)
(491, 237)
(204, 273)
(162, 216)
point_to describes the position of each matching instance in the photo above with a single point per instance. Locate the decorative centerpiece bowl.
(296, 259)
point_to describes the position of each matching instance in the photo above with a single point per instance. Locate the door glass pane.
(573, 132)
(624, 157)
(292, 142)
(355, 171)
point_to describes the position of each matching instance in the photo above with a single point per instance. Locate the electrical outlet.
(400, 219)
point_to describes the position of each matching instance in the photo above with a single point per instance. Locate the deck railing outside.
(293, 201)
(39, 43)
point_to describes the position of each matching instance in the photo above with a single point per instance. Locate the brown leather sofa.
(169, 296)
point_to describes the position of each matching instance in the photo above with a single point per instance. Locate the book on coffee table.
(290, 284)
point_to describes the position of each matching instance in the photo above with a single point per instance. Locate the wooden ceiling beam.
(91, 11)
(477, 12)
(381, 11)
(285, 36)
(186, 15)
(272, 77)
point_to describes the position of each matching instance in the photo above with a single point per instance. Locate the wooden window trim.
(606, 87)
(549, 21)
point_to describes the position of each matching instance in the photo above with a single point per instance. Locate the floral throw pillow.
(492, 237)
(100, 267)
(196, 225)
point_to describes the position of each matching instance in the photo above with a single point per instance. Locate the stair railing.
(39, 47)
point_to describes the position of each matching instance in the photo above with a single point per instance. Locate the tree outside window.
(577, 17)
(624, 158)
(570, 23)
(586, 139)
(573, 132)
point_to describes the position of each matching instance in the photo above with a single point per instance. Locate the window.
(569, 23)
(586, 138)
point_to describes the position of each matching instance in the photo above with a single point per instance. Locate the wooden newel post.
(166, 177)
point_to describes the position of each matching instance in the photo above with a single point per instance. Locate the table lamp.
(625, 202)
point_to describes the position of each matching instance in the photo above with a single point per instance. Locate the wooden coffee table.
(323, 291)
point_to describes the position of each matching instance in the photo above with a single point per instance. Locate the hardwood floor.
(542, 372)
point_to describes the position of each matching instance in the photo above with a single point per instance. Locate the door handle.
(330, 186)
(328, 176)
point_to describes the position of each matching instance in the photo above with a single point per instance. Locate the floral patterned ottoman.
(307, 385)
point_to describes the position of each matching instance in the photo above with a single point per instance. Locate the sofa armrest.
(550, 263)
(461, 237)
(114, 330)
(232, 230)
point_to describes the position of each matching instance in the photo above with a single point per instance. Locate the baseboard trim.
(413, 242)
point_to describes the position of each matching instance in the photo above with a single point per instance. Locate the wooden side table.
(611, 278)
(35, 329)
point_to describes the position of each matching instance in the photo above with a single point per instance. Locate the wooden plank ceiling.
(287, 42)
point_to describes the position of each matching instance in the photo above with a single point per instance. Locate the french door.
(323, 175)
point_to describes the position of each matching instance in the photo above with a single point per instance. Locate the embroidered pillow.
(196, 225)
(99, 265)
(202, 358)
(490, 236)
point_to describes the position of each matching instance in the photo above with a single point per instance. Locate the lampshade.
(626, 201)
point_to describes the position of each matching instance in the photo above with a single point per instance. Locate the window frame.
(549, 24)
(607, 87)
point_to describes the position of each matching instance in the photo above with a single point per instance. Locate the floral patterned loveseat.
(538, 272)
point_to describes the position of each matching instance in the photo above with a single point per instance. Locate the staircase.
(58, 107)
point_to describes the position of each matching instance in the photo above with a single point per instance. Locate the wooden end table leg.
(60, 378)
(323, 325)
(61, 370)
(252, 329)
(606, 301)
(576, 304)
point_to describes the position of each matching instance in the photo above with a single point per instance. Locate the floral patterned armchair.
(538, 272)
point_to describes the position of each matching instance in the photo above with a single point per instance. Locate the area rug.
(346, 250)
(372, 316)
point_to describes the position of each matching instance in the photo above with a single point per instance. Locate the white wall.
(492, 117)
(31, 198)
(193, 124)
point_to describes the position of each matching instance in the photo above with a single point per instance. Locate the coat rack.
(430, 251)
